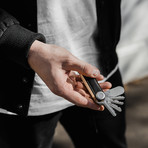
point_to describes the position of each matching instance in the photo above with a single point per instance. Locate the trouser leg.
(94, 129)
(27, 132)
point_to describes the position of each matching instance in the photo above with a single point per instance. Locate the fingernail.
(101, 108)
(95, 73)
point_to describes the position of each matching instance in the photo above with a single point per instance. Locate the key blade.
(116, 91)
(117, 102)
(109, 108)
(111, 100)
(118, 98)
(115, 107)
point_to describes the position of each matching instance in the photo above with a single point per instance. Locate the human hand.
(79, 86)
(55, 64)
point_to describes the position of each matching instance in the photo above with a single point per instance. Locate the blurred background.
(133, 46)
(133, 62)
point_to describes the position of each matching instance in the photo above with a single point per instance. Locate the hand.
(54, 65)
(79, 86)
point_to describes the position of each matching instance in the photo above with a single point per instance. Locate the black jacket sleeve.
(15, 40)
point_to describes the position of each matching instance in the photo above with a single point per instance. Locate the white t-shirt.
(69, 24)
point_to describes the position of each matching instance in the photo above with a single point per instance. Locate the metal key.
(110, 99)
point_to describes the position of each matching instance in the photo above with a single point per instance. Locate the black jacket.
(18, 29)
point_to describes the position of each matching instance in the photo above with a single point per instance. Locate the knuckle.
(85, 68)
(68, 61)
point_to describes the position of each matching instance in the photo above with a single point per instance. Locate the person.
(39, 82)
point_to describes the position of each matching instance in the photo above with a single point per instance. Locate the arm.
(52, 63)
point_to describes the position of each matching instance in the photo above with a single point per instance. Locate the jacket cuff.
(16, 41)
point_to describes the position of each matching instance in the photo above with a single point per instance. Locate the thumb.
(83, 68)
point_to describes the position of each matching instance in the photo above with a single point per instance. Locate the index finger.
(80, 100)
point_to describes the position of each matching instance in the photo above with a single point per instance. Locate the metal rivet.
(25, 80)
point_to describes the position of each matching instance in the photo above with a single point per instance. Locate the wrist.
(34, 51)
(36, 45)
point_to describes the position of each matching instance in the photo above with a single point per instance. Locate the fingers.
(79, 83)
(83, 93)
(75, 92)
(82, 101)
(105, 85)
(83, 68)
(86, 94)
